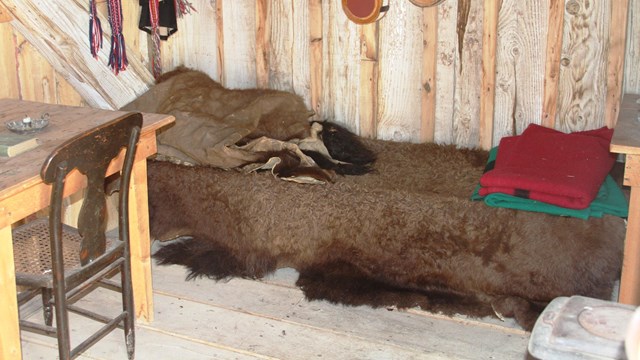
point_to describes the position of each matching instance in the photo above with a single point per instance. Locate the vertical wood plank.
(315, 57)
(429, 69)
(400, 59)
(615, 63)
(281, 45)
(341, 67)
(446, 73)
(487, 96)
(301, 52)
(552, 63)
(583, 73)
(519, 85)
(632, 54)
(263, 32)
(239, 31)
(36, 75)
(191, 46)
(368, 79)
(8, 65)
(10, 337)
(65, 93)
(469, 81)
(219, 21)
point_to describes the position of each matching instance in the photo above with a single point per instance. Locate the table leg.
(630, 279)
(140, 243)
(10, 334)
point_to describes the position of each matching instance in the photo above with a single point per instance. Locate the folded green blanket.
(610, 200)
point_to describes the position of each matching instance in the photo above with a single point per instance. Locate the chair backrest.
(91, 153)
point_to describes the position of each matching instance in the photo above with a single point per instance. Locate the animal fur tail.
(213, 260)
(343, 145)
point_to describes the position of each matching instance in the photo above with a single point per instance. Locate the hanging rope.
(118, 54)
(154, 12)
(95, 30)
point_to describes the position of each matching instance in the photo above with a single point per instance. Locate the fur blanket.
(404, 235)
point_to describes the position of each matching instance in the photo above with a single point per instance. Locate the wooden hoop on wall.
(364, 11)
(426, 3)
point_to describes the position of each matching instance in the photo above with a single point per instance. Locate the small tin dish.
(28, 125)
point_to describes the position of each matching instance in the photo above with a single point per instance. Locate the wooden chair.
(64, 264)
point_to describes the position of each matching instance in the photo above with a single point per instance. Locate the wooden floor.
(270, 319)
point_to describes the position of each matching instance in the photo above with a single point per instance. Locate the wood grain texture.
(519, 86)
(446, 73)
(469, 82)
(552, 62)
(8, 64)
(490, 20)
(315, 57)
(301, 52)
(5, 16)
(239, 54)
(615, 61)
(368, 80)
(582, 93)
(263, 32)
(193, 44)
(632, 54)
(219, 21)
(289, 51)
(341, 67)
(310, 48)
(281, 45)
(401, 49)
(65, 46)
(429, 71)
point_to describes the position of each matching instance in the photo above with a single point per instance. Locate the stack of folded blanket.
(546, 170)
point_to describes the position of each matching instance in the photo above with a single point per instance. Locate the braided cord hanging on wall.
(118, 54)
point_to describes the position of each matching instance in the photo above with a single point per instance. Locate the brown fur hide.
(405, 235)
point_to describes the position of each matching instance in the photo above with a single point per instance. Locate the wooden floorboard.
(270, 319)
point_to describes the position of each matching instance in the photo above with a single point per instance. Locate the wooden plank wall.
(467, 72)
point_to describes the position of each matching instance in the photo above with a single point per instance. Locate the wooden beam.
(615, 63)
(488, 93)
(315, 58)
(5, 16)
(368, 100)
(429, 68)
(65, 45)
(263, 33)
(220, 43)
(552, 63)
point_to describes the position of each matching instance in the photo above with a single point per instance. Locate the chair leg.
(128, 307)
(62, 320)
(47, 307)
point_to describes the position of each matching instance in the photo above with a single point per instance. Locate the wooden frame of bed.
(626, 140)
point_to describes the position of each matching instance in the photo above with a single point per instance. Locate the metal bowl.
(28, 125)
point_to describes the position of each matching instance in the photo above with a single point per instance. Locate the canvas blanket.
(228, 128)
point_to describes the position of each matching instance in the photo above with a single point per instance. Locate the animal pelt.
(404, 235)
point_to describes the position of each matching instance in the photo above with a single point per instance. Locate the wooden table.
(23, 193)
(626, 140)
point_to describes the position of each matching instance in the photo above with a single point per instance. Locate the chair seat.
(32, 253)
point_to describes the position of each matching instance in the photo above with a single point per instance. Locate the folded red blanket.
(550, 166)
